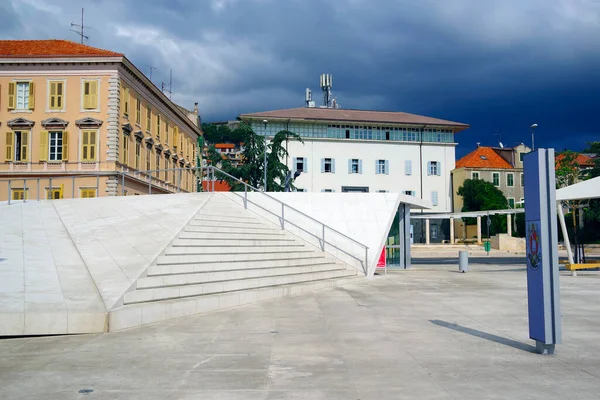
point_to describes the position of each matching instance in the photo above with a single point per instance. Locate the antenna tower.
(81, 29)
(151, 68)
(326, 83)
(170, 86)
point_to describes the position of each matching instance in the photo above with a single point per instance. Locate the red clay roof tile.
(50, 49)
(483, 157)
(581, 159)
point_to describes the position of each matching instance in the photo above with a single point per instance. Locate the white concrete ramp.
(64, 264)
(104, 264)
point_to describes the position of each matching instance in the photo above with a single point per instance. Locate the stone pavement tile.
(312, 395)
(306, 378)
(38, 383)
(48, 345)
(318, 348)
(291, 337)
(9, 343)
(411, 392)
(238, 347)
(487, 383)
(224, 380)
(252, 337)
(306, 361)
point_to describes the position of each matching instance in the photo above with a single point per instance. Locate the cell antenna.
(80, 31)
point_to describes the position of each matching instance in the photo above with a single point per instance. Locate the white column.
(427, 239)
(509, 224)
(479, 229)
(451, 230)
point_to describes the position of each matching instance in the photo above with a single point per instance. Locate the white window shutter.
(408, 167)
(387, 167)
(333, 165)
(349, 165)
(360, 166)
(305, 164)
(322, 165)
(434, 198)
(376, 167)
(428, 167)
(439, 169)
(294, 164)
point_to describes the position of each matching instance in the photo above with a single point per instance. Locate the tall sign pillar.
(404, 242)
(543, 292)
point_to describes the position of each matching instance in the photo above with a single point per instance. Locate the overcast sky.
(498, 65)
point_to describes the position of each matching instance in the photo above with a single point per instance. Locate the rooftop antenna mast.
(151, 68)
(326, 83)
(81, 29)
(163, 86)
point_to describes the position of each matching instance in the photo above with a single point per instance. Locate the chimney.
(195, 108)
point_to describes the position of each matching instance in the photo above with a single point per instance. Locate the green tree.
(276, 169)
(480, 195)
(591, 227)
(568, 170)
(252, 170)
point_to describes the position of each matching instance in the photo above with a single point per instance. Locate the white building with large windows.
(367, 151)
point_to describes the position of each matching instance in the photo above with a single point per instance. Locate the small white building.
(367, 151)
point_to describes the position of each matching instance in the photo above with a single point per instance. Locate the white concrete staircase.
(225, 257)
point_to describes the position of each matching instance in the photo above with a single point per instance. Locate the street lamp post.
(533, 136)
(265, 122)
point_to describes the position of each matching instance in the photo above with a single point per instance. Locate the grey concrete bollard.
(463, 260)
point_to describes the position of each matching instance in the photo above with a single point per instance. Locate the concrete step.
(229, 218)
(228, 245)
(231, 250)
(231, 224)
(226, 213)
(235, 242)
(240, 229)
(233, 236)
(220, 276)
(174, 292)
(147, 313)
(241, 257)
(169, 269)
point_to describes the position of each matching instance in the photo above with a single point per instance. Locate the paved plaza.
(427, 333)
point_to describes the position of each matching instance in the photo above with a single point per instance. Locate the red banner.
(381, 262)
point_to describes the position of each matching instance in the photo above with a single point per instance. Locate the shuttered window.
(21, 95)
(90, 94)
(88, 145)
(86, 193)
(56, 95)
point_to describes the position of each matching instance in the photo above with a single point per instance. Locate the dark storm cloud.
(497, 65)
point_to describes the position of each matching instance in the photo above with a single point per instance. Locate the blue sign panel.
(542, 249)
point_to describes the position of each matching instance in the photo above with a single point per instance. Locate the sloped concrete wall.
(65, 264)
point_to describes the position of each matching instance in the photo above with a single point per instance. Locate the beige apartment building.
(77, 121)
(499, 165)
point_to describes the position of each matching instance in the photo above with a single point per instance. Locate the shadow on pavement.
(484, 335)
(472, 260)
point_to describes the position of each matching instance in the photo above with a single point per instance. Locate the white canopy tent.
(589, 189)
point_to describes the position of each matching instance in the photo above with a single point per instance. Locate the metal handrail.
(211, 174)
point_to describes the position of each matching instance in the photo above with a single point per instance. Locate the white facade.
(404, 165)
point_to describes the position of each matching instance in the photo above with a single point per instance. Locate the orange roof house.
(50, 49)
(483, 157)
(583, 160)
